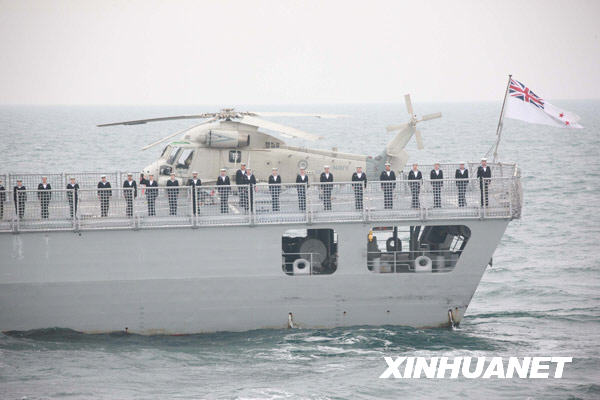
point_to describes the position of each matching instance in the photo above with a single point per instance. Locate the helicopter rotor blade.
(296, 114)
(419, 140)
(431, 116)
(409, 106)
(175, 134)
(143, 121)
(286, 131)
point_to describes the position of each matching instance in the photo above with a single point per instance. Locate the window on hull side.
(392, 249)
(309, 252)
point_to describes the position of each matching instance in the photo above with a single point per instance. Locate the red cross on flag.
(522, 103)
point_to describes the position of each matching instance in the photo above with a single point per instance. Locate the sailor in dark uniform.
(415, 186)
(104, 194)
(194, 182)
(240, 180)
(275, 189)
(302, 180)
(151, 195)
(462, 176)
(172, 194)
(2, 199)
(44, 196)
(388, 184)
(19, 198)
(250, 180)
(327, 178)
(73, 196)
(359, 187)
(484, 173)
(130, 193)
(142, 184)
(239, 174)
(223, 190)
(437, 181)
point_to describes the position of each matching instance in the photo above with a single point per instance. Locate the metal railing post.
(510, 198)
(251, 196)
(365, 201)
(118, 183)
(193, 192)
(135, 218)
(307, 204)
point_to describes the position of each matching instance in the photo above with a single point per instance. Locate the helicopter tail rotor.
(413, 122)
(409, 106)
(427, 117)
(419, 139)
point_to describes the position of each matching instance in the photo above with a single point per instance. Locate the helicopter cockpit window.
(174, 155)
(167, 148)
(185, 159)
(235, 156)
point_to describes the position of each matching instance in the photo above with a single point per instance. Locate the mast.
(499, 129)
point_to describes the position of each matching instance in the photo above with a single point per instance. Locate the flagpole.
(500, 122)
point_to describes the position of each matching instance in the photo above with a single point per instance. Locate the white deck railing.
(261, 204)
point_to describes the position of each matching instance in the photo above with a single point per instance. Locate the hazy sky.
(268, 52)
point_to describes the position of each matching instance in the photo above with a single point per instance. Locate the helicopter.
(229, 137)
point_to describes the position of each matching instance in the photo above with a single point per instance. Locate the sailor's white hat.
(72, 178)
(243, 163)
(19, 180)
(44, 176)
(275, 169)
(461, 162)
(325, 166)
(102, 176)
(437, 162)
(223, 169)
(129, 174)
(387, 163)
(483, 159)
(358, 166)
(195, 173)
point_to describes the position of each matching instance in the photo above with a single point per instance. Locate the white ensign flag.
(523, 104)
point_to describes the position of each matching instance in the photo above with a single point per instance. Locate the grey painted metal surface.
(204, 280)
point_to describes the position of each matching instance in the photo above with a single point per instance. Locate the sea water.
(540, 298)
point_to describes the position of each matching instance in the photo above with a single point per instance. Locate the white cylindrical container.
(423, 264)
(301, 266)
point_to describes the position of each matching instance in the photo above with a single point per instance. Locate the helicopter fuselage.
(227, 144)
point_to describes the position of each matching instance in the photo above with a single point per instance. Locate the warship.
(214, 258)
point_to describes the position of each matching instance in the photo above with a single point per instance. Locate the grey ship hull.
(181, 280)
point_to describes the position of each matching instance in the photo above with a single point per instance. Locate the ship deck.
(242, 205)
